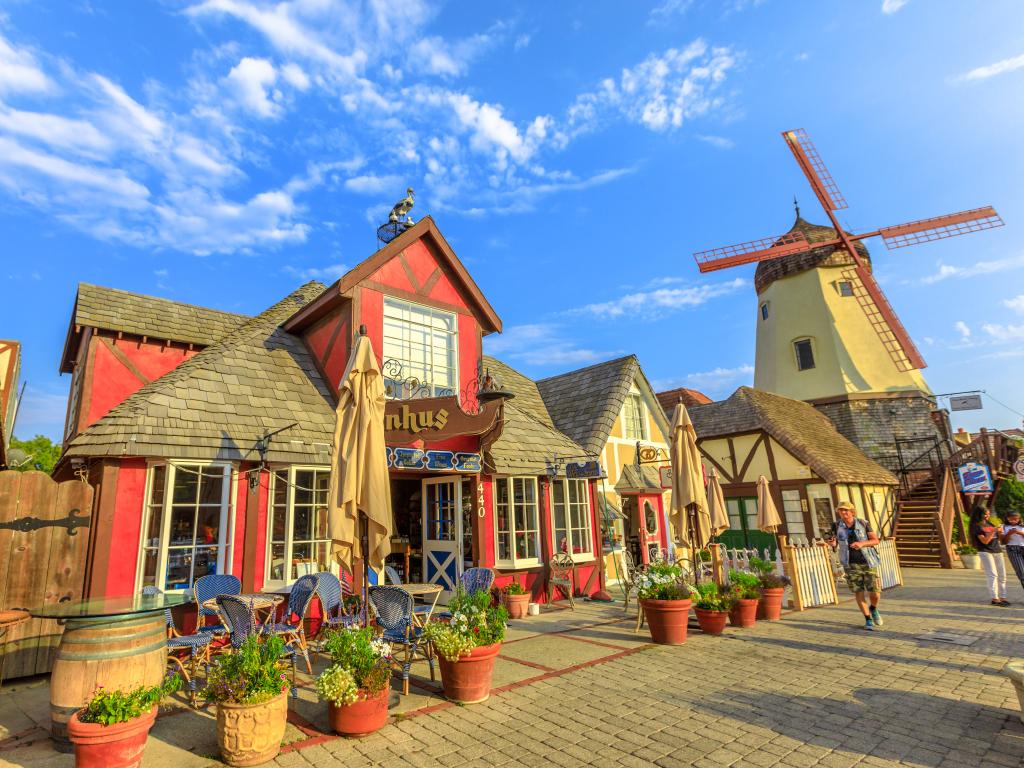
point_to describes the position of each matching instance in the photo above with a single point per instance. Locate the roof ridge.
(136, 295)
(587, 367)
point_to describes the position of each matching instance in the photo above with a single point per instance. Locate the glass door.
(442, 533)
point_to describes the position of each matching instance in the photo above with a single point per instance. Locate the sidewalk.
(581, 689)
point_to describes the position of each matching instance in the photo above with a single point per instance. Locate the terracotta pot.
(744, 613)
(517, 605)
(667, 620)
(468, 680)
(250, 734)
(769, 607)
(110, 746)
(361, 717)
(711, 622)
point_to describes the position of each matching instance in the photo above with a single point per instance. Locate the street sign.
(965, 403)
(975, 477)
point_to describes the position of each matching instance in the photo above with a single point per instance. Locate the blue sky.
(219, 152)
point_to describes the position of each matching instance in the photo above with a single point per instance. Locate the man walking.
(856, 542)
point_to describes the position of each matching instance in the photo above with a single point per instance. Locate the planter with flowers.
(517, 600)
(712, 606)
(357, 684)
(467, 645)
(250, 688)
(746, 591)
(111, 730)
(664, 598)
(773, 587)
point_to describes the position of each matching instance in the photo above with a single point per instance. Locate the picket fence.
(889, 568)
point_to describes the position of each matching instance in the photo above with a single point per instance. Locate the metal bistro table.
(114, 642)
(424, 591)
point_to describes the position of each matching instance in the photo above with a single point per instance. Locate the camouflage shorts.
(862, 578)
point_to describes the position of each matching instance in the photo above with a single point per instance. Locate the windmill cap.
(829, 256)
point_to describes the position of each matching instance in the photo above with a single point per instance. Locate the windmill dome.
(830, 256)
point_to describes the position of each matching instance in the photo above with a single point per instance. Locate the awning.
(609, 510)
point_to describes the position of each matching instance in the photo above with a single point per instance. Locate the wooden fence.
(889, 572)
(44, 540)
(810, 569)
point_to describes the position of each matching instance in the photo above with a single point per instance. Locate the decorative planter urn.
(667, 620)
(769, 607)
(517, 605)
(110, 746)
(361, 717)
(468, 680)
(744, 613)
(250, 734)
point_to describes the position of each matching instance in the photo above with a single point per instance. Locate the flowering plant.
(711, 598)
(744, 586)
(515, 588)
(474, 622)
(111, 707)
(361, 666)
(662, 581)
(252, 674)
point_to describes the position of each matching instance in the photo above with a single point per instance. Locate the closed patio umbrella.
(688, 493)
(767, 515)
(716, 505)
(359, 482)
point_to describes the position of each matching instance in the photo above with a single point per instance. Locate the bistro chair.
(332, 592)
(207, 588)
(560, 574)
(394, 611)
(392, 575)
(472, 580)
(299, 600)
(239, 614)
(197, 646)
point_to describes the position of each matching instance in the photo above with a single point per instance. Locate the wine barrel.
(116, 653)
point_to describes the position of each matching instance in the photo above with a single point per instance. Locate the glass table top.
(98, 607)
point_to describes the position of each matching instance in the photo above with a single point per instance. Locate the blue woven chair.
(472, 580)
(299, 600)
(239, 614)
(208, 587)
(332, 591)
(393, 608)
(197, 646)
(392, 575)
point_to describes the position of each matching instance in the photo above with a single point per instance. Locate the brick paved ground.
(812, 689)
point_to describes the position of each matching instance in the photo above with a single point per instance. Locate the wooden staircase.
(918, 531)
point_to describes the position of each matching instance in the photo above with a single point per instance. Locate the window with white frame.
(635, 417)
(423, 340)
(298, 542)
(571, 508)
(793, 509)
(185, 526)
(517, 528)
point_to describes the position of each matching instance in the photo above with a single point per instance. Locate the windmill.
(876, 307)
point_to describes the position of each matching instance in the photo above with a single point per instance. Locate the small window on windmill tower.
(804, 354)
(764, 311)
(845, 288)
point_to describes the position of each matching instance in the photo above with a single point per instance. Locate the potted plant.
(250, 689)
(773, 587)
(110, 731)
(665, 600)
(746, 591)
(467, 645)
(969, 557)
(712, 607)
(517, 600)
(356, 684)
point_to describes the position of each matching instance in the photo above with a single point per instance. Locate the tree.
(41, 453)
(1009, 496)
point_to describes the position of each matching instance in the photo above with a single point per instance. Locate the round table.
(259, 601)
(423, 590)
(114, 642)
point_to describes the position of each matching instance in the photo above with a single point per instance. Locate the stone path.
(580, 689)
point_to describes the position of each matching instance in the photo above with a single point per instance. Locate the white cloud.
(370, 184)
(963, 329)
(522, 41)
(891, 6)
(660, 301)
(326, 274)
(129, 117)
(252, 81)
(716, 383)
(1004, 333)
(1016, 304)
(666, 10)
(946, 271)
(540, 344)
(54, 130)
(294, 76)
(996, 68)
(19, 71)
(718, 142)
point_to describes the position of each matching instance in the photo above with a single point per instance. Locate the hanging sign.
(965, 403)
(666, 476)
(583, 470)
(974, 477)
(436, 418)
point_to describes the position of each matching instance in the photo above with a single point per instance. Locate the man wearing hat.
(856, 542)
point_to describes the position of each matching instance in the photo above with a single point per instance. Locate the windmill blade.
(754, 250)
(814, 169)
(940, 227)
(890, 330)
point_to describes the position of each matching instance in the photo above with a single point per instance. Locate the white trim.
(577, 557)
(289, 523)
(454, 337)
(515, 562)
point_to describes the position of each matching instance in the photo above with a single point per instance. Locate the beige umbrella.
(687, 480)
(767, 515)
(717, 511)
(359, 482)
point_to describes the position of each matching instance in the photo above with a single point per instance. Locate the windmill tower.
(825, 331)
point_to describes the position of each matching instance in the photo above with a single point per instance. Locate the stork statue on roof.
(825, 331)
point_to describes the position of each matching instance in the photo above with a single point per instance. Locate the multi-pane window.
(422, 341)
(184, 533)
(635, 418)
(793, 509)
(299, 543)
(804, 354)
(571, 507)
(516, 530)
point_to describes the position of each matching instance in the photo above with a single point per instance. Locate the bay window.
(516, 530)
(185, 524)
(421, 344)
(570, 500)
(298, 542)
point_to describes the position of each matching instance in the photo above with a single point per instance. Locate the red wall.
(127, 528)
(328, 340)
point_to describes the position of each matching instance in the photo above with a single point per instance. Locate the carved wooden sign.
(432, 419)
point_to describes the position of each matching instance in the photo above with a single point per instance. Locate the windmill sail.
(940, 227)
(814, 169)
(754, 250)
(883, 319)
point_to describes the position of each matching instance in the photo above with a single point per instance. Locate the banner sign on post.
(974, 477)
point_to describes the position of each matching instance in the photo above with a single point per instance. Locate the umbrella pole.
(364, 536)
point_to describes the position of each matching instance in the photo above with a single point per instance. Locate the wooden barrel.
(117, 653)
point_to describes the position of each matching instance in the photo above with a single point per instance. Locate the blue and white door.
(442, 533)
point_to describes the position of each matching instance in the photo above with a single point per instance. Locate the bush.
(662, 581)
(744, 586)
(966, 549)
(515, 588)
(474, 622)
(1009, 496)
(111, 707)
(711, 598)
(766, 574)
(252, 674)
(361, 666)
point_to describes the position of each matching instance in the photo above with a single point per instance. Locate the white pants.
(995, 572)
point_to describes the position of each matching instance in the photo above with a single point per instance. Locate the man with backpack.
(856, 542)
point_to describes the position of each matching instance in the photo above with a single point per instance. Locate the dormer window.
(420, 350)
(635, 417)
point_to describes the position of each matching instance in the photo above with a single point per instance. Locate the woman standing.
(1013, 540)
(985, 538)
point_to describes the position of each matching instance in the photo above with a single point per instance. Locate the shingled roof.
(799, 427)
(217, 404)
(527, 445)
(689, 398)
(135, 313)
(771, 270)
(527, 396)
